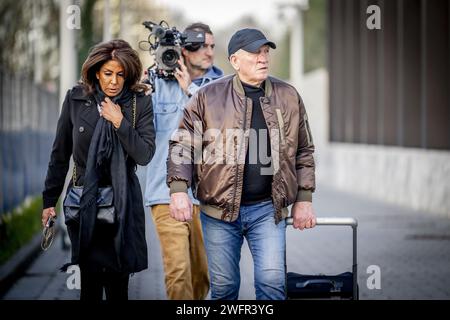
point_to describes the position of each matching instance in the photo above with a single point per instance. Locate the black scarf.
(105, 156)
(123, 98)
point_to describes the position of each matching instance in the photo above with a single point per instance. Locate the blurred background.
(375, 79)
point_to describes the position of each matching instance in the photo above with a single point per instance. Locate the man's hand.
(111, 112)
(149, 89)
(182, 76)
(303, 215)
(180, 206)
(46, 213)
(144, 80)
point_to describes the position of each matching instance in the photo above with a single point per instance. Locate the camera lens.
(170, 58)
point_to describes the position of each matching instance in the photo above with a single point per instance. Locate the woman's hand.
(111, 112)
(46, 213)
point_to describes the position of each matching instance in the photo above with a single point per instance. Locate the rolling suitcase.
(341, 286)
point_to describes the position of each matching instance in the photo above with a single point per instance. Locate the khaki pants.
(184, 257)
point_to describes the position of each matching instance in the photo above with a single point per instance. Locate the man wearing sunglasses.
(182, 248)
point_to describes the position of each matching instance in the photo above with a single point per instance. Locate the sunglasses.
(48, 233)
(196, 46)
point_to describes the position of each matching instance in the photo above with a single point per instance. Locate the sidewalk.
(412, 251)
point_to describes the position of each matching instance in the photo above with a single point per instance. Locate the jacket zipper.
(308, 132)
(281, 125)
(237, 164)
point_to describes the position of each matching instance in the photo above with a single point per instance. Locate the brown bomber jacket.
(220, 106)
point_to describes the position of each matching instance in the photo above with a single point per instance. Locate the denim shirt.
(169, 101)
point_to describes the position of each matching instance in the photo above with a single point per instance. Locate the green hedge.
(19, 227)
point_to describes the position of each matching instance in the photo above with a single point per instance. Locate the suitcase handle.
(336, 221)
(313, 282)
(331, 221)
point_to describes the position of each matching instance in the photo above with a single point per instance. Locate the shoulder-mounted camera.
(165, 45)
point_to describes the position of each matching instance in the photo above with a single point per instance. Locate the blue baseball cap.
(249, 40)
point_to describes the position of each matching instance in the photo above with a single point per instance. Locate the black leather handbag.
(106, 213)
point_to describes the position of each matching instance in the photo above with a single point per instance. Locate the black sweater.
(257, 187)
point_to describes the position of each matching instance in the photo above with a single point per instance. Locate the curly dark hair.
(118, 50)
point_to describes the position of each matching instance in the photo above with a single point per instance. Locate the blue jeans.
(267, 243)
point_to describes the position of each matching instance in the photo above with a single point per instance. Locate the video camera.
(165, 45)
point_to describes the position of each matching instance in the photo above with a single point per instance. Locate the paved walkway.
(412, 250)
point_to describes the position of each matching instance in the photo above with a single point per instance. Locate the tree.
(22, 29)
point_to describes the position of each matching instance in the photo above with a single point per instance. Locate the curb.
(11, 270)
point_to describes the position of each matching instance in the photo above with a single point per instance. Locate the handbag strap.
(134, 111)
(74, 173)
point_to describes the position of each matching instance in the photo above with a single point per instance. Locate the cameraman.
(184, 257)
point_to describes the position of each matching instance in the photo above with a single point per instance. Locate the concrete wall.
(413, 178)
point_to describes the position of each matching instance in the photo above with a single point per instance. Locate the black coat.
(75, 127)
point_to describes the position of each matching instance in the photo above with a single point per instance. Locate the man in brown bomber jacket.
(245, 148)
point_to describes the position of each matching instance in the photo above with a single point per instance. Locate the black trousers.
(115, 285)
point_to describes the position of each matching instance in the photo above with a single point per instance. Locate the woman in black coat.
(106, 124)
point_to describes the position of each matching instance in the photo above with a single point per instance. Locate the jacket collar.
(237, 85)
(78, 93)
